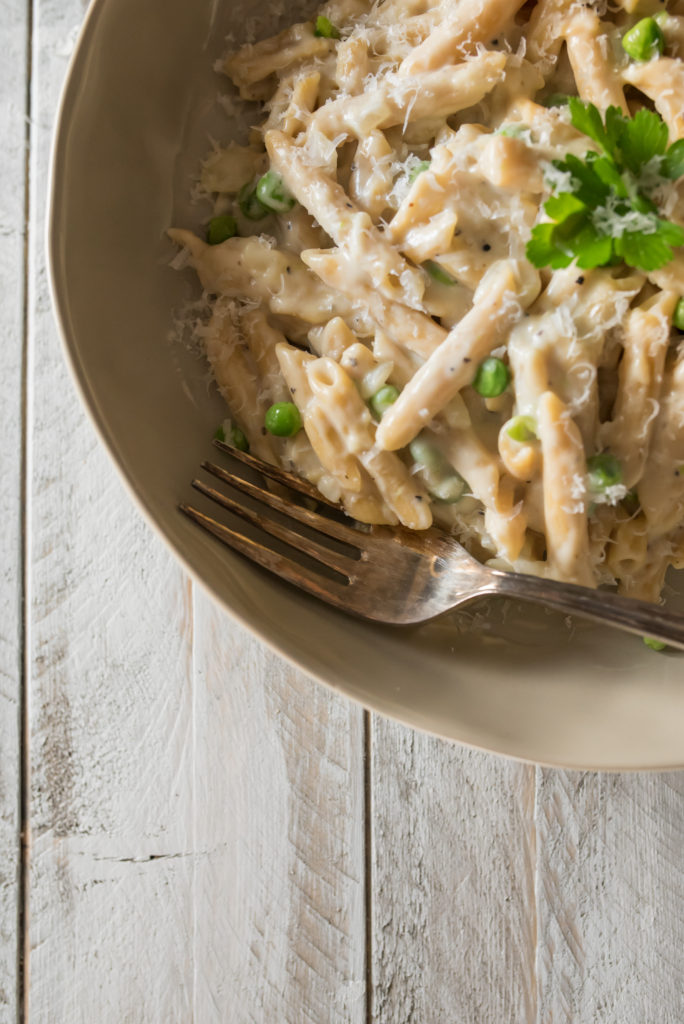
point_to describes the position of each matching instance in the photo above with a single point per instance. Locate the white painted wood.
(279, 884)
(610, 897)
(197, 806)
(453, 866)
(110, 641)
(13, 40)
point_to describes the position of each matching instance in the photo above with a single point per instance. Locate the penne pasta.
(465, 272)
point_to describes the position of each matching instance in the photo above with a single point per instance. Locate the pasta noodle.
(367, 261)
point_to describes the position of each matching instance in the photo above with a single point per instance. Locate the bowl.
(137, 109)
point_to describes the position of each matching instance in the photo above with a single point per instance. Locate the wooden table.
(191, 830)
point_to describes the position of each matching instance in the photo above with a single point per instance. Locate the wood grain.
(453, 869)
(13, 75)
(610, 897)
(196, 805)
(110, 646)
(279, 889)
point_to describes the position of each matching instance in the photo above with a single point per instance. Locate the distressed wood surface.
(197, 836)
(610, 897)
(214, 837)
(13, 94)
(279, 888)
(453, 875)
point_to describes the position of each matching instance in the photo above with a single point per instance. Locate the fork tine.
(346, 534)
(325, 589)
(295, 483)
(338, 562)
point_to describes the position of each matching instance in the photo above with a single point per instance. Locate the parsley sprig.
(608, 214)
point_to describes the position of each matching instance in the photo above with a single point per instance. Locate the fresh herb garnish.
(608, 215)
(424, 165)
(324, 27)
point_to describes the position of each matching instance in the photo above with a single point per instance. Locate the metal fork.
(388, 574)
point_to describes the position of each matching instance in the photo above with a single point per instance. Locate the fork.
(389, 574)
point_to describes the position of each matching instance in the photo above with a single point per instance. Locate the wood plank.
(13, 43)
(453, 868)
(197, 846)
(610, 897)
(279, 899)
(110, 644)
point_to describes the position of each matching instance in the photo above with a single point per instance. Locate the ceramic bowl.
(139, 103)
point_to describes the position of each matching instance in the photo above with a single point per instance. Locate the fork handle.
(602, 606)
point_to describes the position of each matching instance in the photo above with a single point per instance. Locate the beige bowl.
(137, 107)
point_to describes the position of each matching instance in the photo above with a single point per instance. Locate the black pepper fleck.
(467, 359)
(580, 280)
(288, 270)
(486, 247)
(348, 205)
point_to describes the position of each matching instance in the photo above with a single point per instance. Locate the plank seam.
(368, 860)
(536, 887)
(194, 683)
(23, 963)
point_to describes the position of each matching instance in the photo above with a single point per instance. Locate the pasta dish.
(445, 274)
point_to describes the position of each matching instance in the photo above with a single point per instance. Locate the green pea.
(425, 454)
(512, 131)
(603, 470)
(220, 229)
(250, 204)
(655, 645)
(438, 274)
(441, 479)
(678, 315)
(522, 428)
(424, 165)
(383, 398)
(450, 488)
(283, 419)
(272, 192)
(492, 377)
(644, 40)
(556, 99)
(238, 439)
(325, 28)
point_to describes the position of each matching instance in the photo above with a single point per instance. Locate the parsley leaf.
(561, 207)
(586, 119)
(544, 251)
(643, 137)
(647, 252)
(673, 162)
(609, 215)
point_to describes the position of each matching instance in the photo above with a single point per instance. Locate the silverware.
(389, 574)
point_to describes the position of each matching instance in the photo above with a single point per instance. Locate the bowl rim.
(58, 290)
